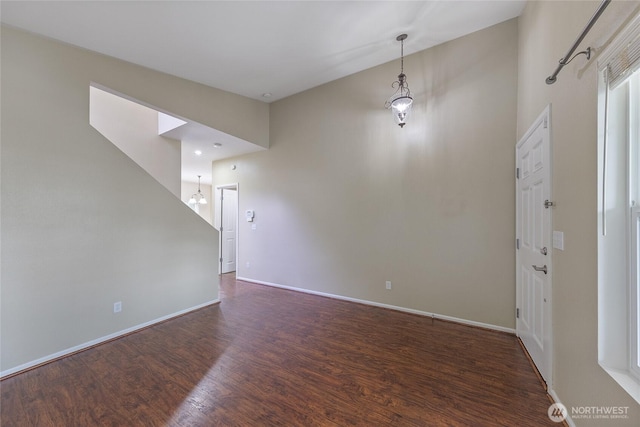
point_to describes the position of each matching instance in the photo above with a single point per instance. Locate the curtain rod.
(567, 58)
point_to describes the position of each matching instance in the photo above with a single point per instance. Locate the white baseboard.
(377, 304)
(556, 399)
(101, 340)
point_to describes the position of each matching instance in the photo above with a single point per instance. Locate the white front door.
(228, 232)
(533, 253)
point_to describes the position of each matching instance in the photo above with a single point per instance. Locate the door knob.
(543, 268)
(543, 251)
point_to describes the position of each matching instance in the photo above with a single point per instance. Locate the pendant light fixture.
(198, 198)
(400, 102)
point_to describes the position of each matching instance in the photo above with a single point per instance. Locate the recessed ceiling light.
(198, 152)
(266, 95)
(217, 145)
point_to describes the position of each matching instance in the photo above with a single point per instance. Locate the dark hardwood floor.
(271, 357)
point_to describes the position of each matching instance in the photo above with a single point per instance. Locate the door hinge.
(548, 204)
(545, 123)
(221, 228)
(517, 173)
(221, 259)
(517, 313)
(517, 243)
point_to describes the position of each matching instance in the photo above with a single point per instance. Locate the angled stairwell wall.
(133, 128)
(82, 226)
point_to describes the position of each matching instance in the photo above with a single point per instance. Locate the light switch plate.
(558, 240)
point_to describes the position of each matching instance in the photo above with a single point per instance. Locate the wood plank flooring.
(271, 357)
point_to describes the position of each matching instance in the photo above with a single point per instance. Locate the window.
(619, 210)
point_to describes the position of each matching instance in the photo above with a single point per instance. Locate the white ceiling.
(256, 47)
(253, 47)
(197, 137)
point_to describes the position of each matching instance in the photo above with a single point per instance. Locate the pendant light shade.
(401, 101)
(198, 198)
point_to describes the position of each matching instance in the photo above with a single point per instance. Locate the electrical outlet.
(117, 307)
(388, 284)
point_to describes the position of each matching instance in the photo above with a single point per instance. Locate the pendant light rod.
(401, 38)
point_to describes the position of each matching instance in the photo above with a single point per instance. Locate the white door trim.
(217, 219)
(543, 119)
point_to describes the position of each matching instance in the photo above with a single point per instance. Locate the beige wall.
(83, 226)
(546, 31)
(345, 199)
(133, 128)
(235, 115)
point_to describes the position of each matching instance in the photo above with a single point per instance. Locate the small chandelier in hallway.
(400, 102)
(198, 198)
